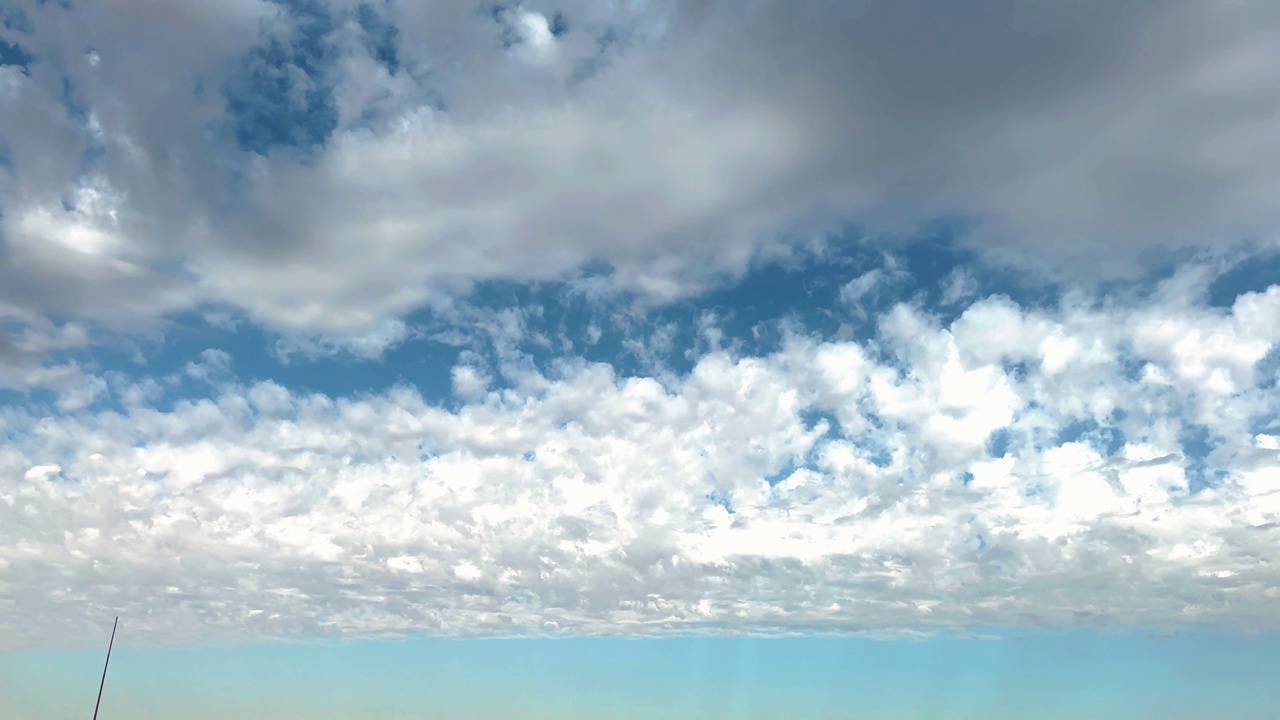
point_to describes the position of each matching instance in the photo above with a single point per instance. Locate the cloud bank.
(311, 179)
(1097, 462)
(330, 166)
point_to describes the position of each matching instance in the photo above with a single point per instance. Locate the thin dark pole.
(104, 667)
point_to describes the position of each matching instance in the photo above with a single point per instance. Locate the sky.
(1000, 675)
(573, 343)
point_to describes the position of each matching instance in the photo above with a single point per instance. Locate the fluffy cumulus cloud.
(341, 316)
(1091, 461)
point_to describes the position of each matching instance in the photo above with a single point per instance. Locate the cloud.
(326, 169)
(829, 485)
(369, 345)
(959, 284)
(330, 167)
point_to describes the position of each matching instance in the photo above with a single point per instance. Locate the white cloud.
(470, 384)
(214, 366)
(535, 32)
(959, 284)
(81, 394)
(41, 472)
(587, 502)
(368, 344)
(479, 201)
(862, 286)
(872, 284)
(656, 137)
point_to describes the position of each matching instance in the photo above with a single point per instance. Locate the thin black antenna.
(104, 667)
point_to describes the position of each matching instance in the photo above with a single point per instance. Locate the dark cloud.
(359, 158)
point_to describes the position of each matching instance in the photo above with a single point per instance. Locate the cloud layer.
(333, 178)
(1099, 462)
(330, 166)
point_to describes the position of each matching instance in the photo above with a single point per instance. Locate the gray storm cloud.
(329, 167)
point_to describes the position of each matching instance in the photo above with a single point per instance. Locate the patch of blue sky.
(789, 467)
(281, 96)
(938, 252)
(722, 501)
(560, 320)
(873, 452)
(865, 446)
(1039, 438)
(558, 24)
(814, 417)
(11, 53)
(999, 442)
(1198, 444)
(381, 36)
(1104, 439)
(756, 311)
(10, 397)
(424, 364)
(1016, 370)
(1268, 424)
(1268, 369)
(37, 400)
(1131, 366)
(1256, 275)
(804, 295)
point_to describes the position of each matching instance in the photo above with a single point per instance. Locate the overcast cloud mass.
(335, 318)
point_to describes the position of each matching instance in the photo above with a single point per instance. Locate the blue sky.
(1136, 674)
(357, 335)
